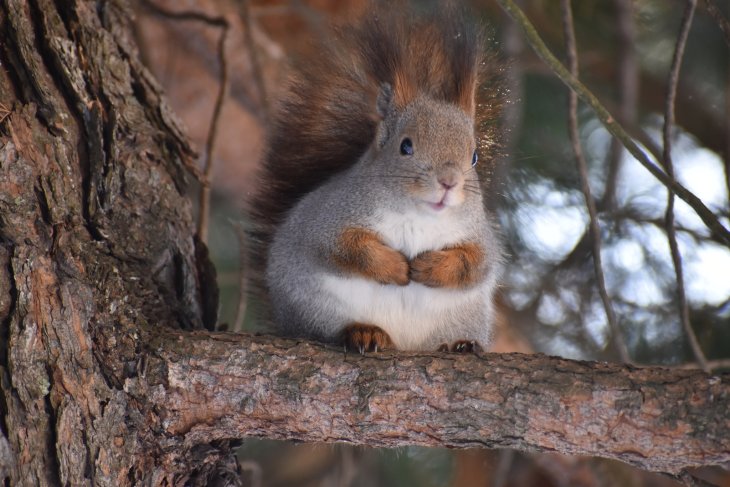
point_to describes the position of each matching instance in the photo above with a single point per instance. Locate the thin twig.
(242, 281)
(244, 9)
(628, 79)
(609, 121)
(618, 340)
(726, 159)
(722, 22)
(221, 23)
(212, 133)
(669, 168)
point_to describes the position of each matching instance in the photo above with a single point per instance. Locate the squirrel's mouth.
(447, 199)
(437, 206)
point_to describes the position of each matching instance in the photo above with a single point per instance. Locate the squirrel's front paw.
(365, 338)
(393, 269)
(362, 252)
(456, 267)
(461, 346)
(428, 268)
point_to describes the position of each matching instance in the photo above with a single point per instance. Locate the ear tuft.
(384, 103)
(386, 109)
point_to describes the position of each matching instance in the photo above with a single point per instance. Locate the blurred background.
(550, 301)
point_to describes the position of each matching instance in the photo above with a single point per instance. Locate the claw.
(365, 338)
(462, 346)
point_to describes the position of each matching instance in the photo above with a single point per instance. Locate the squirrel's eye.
(406, 147)
(474, 159)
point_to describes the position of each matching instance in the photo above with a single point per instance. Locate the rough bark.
(101, 281)
(96, 239)
(222, 386)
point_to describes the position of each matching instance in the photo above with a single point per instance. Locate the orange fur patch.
(455, 267)
(360, 251)
(365, 338)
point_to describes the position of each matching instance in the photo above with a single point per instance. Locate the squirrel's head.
(426, 150)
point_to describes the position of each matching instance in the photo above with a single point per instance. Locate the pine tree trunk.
(96, 245)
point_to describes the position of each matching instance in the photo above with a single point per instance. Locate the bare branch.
(618, 339)
(206, 387)
(726, 158)
(244, 10)
(242, 276)
(669, 168)
(722, 22)
(221, 23)
(628, 80)
(212, 133)
(609, 121)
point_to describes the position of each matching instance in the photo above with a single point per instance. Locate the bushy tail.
(328, 117)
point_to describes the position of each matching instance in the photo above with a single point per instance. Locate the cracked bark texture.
(225, 385)
(107, 376)
(96, 242)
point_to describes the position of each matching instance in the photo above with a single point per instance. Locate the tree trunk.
(101, 281)
(96, 244)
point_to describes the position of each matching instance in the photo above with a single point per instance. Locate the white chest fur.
(410, 314)
(412, 232)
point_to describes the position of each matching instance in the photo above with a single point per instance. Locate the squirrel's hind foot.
(365, 338)
(462, 346)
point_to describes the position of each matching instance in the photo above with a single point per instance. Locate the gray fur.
(381, 193)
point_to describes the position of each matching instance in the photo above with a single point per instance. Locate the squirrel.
(369, 226)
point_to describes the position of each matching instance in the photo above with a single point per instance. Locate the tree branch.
(619, 341)
(722, 22)
(669, 168)
(206, 387)
(224, 26)
(609, 121)
(628, 92)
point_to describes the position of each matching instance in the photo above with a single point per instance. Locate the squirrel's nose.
(448, 178)
(447, 184)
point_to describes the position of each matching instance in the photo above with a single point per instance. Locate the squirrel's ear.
(385, 107)
(384, 104)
